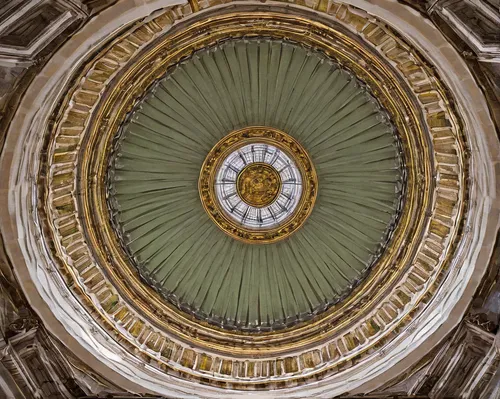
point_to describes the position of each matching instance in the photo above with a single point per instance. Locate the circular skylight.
(258, 186)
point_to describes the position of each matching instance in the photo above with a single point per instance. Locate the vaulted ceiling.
(223, 199)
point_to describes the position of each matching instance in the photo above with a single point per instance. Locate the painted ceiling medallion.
(258, 185)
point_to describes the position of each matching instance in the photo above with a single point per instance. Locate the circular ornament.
(258, 185)
(413, 259)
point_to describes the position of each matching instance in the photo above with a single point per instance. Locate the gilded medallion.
(258, 184)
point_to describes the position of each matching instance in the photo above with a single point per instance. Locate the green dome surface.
(155, 203)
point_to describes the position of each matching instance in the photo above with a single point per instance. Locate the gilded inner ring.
(294, 212)
(258, 184)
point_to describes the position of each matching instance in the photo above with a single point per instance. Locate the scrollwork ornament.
(235, 140)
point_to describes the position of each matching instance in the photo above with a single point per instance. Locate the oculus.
(258, 185)
(259, 192)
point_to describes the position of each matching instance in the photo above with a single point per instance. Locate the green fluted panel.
(180, 250)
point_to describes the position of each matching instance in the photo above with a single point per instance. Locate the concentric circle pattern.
(230, 182)
(125, 244)
(153, 184)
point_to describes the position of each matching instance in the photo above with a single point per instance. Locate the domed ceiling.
(253, 196)
(240, 84)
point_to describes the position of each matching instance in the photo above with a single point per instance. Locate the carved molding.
(32, 363)
(26, 28)
(463, 366)
(476, 22)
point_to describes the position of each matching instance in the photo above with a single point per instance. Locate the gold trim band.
(230, 143)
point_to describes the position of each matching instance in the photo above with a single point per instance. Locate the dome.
(232, 199)
(155, 167)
